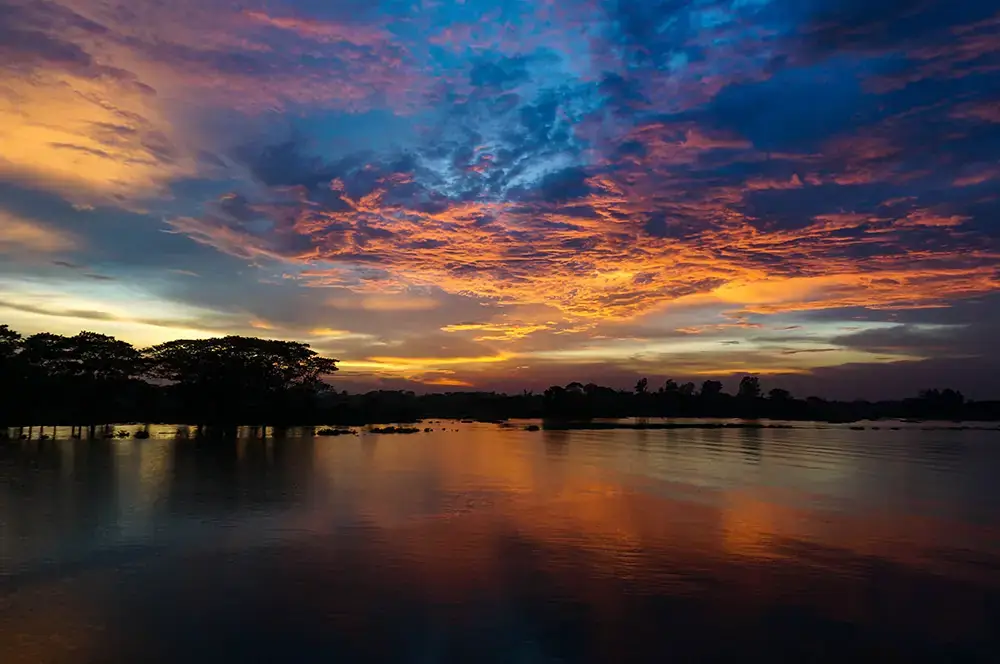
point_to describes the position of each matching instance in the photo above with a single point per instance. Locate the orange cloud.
(595, 260)
(27, 235)
(84, 136)
(500, 331)
(446, 382)
(398, 302)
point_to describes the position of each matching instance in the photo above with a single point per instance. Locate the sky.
(508, 194)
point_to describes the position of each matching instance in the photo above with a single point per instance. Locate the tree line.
(90, 379)
(93, 379)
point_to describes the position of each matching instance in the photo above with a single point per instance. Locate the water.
(500, 545)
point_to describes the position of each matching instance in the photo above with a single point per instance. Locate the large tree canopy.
(86, 356)
(89, 377)
(234, 378)
(259, 364)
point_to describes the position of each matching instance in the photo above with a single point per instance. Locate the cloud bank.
(554, 184)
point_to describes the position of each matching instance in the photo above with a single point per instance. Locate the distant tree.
(687, 389)
(940, 403)
(642, 386)
(230, 378)
(669, 387)
(952, 398)
(554, 392)
(946, 397)
(711, 388)
(778, 394)
(749, 387)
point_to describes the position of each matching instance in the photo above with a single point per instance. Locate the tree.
(946, 398)
(642, 386)
(669, 387)
(87, 356)
(749, 387)
(231, 378)
(778, 394)
(687, 390)
(941, 403)
(87, 374)
(11, 374)
(10, 344)
(711, 388)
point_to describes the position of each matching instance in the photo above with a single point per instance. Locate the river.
(478, 543)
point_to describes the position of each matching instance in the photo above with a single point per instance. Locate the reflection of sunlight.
(748, 526)
(142, 472)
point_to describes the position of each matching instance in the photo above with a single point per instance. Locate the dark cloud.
(564, 186)
(795, 109)
(852, 25)
(908, 339)
(286, 164)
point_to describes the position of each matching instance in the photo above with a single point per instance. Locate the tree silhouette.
(10, 344)
(95, 379)
(749, 387)
(88, 373)
(11, 374)
(227, 379)
(711, 388)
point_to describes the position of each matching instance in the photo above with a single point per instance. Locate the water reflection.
(493, 544)
(753, 443)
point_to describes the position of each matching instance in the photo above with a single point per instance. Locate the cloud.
(19, 235)
(559, 174)
(400, 302)
(500, 331)
(925, 341)
(94, 94)
(618, 239)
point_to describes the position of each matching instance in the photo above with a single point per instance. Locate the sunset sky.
(506, 194)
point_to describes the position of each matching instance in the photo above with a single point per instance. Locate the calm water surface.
(497, 545)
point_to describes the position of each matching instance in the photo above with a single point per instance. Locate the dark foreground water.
(491, 545)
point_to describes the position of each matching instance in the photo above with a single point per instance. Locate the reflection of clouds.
(485, 532)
